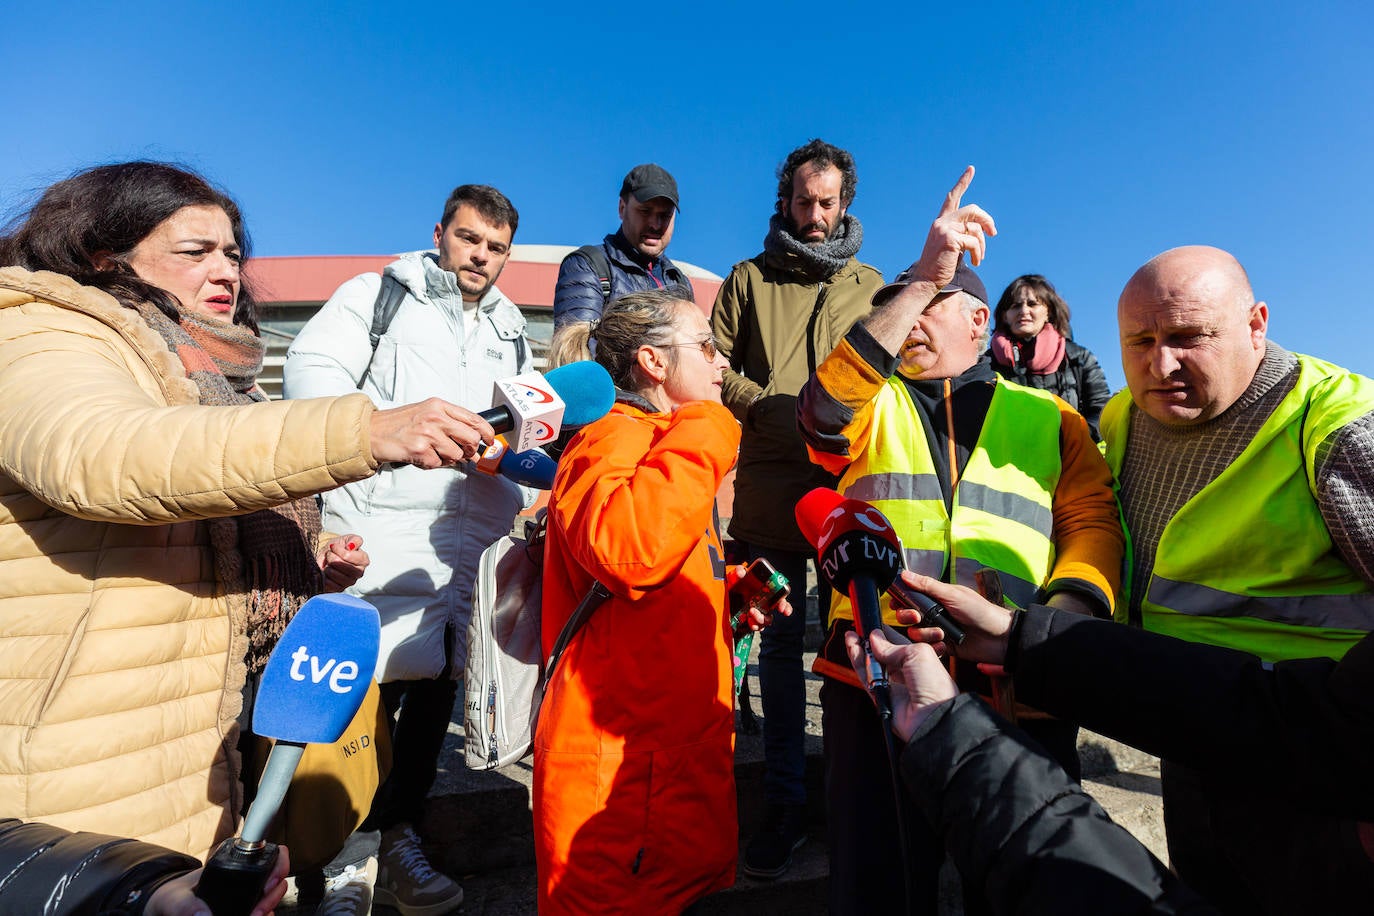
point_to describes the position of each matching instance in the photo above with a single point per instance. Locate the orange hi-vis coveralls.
(634, 789)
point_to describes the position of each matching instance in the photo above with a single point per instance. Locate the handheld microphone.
(529, 469)
(859, 553)
(820, 503)
(533, 407)
(313, 685)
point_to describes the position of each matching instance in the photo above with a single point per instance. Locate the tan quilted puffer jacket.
(120, 668)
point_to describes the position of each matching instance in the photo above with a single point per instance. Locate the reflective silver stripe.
(872, 487)
(926, 562)
(1006, 505)
(1337, 612)
(1021, 592)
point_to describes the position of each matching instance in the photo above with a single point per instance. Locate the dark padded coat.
(578, 295)
(1284, 751)
(1015, 823)
(47, 870)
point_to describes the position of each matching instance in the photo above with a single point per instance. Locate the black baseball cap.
(648, 181)
(965, 280)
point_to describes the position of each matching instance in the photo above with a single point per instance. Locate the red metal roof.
(528, 279)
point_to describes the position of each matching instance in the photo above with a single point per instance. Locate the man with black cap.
(628, 260)
(986, 482)
(775, 317)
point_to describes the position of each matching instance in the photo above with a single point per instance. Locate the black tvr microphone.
(859, 553)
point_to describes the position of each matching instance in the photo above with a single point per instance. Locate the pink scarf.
(1046, 350)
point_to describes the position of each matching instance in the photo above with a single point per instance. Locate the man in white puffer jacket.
(452, 336)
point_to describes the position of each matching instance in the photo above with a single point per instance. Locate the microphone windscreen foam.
(812, 510)
(586, 389)
(318, 674)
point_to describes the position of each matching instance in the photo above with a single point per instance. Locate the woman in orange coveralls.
(634, 790)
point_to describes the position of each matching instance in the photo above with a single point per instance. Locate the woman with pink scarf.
(1032, 345)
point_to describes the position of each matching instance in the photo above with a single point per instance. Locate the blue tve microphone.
(313, 685)
(529, 469)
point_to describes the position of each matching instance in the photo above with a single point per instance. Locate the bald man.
(1246, 478)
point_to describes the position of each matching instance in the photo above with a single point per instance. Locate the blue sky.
(1101, 134)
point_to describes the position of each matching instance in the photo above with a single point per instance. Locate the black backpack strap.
(389, 298)
(594, 598)
(601, 266)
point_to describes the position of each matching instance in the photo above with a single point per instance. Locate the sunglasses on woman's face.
(708, 346)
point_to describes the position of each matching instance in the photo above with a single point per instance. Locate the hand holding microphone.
(430, 434)
(985, 623)
(919, 680)
(531, 408)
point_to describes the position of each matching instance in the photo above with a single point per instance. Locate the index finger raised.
(956, 193)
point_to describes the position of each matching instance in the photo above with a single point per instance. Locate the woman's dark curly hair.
(101, 214)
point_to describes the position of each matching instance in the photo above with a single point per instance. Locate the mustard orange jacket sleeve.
(835, 407)
(1088, 541)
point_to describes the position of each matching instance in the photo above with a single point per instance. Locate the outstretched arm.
(1307, 719)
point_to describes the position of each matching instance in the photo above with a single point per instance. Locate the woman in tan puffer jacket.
(130, 435)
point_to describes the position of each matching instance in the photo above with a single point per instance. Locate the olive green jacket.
(775, 326)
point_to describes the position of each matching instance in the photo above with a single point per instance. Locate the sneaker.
(406, 880)
(349, 893)
(769, 853)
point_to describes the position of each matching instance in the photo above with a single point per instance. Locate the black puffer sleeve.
(1017, 826)
(47, 870)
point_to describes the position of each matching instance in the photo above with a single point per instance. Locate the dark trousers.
(782, 682)
(420, 712)
(866, 864)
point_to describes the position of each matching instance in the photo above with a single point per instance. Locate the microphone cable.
(865, 607)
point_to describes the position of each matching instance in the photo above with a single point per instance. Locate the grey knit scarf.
(814, 262)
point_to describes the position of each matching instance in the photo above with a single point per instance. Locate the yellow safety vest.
(1002, 515)
(1248, 562)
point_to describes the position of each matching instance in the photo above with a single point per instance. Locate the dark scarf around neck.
(814, 262)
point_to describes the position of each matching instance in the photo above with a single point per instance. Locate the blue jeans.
(782, 683)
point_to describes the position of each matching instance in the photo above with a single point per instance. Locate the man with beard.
(776, 316)
(451, 335)
(628, 260)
